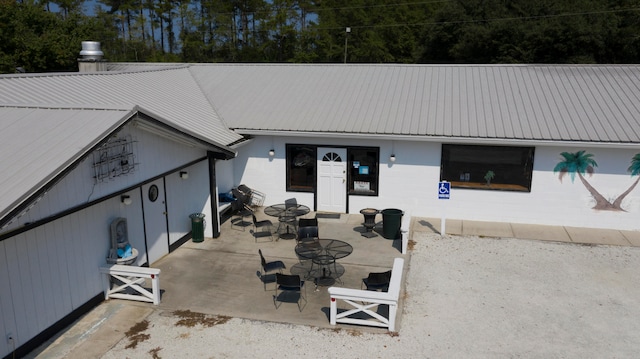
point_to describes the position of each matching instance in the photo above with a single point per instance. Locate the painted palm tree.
(579, 164)
(634, 169)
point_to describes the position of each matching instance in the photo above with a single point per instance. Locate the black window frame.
(370, 159)
(310, 167)
(468, 166)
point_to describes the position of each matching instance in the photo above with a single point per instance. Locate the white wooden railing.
(131, 277)
(405, 230)
(364, 300)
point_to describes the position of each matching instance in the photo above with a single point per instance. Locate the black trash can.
(391, 222)
(197, 227)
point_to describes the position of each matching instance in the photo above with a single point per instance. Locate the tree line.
(41, 36)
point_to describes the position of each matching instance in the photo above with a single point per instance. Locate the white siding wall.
(49, 271)
(52, 270)
(154, 155)
(188, 196)
(411, 182)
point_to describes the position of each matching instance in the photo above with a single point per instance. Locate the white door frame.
(331, 190)
(155, 220)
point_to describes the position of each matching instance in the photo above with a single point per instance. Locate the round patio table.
(324, 253)
(287, 215)
(279, 210)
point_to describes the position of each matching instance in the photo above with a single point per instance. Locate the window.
(487, 167)
(301, 168)
(362, 165)
(363, 171)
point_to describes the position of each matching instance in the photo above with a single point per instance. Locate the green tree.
(40, 41)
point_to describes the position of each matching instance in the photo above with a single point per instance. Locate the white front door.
(332, 179)
(155, 221)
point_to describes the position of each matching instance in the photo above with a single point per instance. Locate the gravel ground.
(466, 297)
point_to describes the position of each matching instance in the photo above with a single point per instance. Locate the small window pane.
(487, 167)
(363, 171)
(301, 165)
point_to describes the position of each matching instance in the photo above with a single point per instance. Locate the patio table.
(283, 212)
(324, 253)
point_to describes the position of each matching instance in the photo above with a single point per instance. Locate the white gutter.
(439, 139)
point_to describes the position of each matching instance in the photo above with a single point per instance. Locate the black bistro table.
(324, 253)
(283, 211)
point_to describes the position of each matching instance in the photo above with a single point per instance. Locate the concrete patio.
(219, 275)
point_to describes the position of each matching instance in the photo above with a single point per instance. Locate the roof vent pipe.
(91, 57)
(91, 51)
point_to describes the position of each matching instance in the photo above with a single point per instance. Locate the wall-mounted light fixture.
(126, 199)
(272, 152)
(184, 175)
(392, 158)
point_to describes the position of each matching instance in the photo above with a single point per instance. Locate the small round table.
(324, 253)
(287, 216)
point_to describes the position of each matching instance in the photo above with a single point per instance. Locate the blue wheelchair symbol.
(444, 190)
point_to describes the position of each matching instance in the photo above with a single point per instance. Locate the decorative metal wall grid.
(114, 158)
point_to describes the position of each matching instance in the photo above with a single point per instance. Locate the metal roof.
(40, 143)
(581, 103)
(49, 121)
(172, 94)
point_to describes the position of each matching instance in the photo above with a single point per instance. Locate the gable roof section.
(594, 104)
(39, 144)
(171, 94)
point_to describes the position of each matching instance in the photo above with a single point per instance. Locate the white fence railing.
(131, 277)
(364, 301)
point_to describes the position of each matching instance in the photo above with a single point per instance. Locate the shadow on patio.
(219, 275)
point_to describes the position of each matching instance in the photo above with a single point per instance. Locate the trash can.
(391, 222)
(197, 227)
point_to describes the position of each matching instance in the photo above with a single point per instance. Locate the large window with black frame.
(301, 168)
(363, 170)
(506, 168)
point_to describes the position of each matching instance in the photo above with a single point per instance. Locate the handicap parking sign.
(444, 190)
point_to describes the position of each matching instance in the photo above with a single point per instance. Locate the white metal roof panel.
(38, 144)
(591, 103)
(172, 94)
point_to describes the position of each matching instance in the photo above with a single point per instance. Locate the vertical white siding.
(154, 155)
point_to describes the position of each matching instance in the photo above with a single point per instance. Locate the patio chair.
(308, 233)
(288, 287)
(377, 281)
(266, 274)
(239, 213)
(258, 226)
(312, 230)
(290, 203)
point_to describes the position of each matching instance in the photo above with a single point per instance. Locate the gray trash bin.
(197, 227)
(391, 222)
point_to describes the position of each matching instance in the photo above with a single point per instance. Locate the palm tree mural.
(581, 163)
(634, 169)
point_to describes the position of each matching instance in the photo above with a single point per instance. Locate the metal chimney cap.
(91, 50)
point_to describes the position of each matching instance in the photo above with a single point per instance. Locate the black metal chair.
(377, 281)
(239, 213)
(259, 225)
(312, 223)
(266, 274)
(307, 234)
(288, 287)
